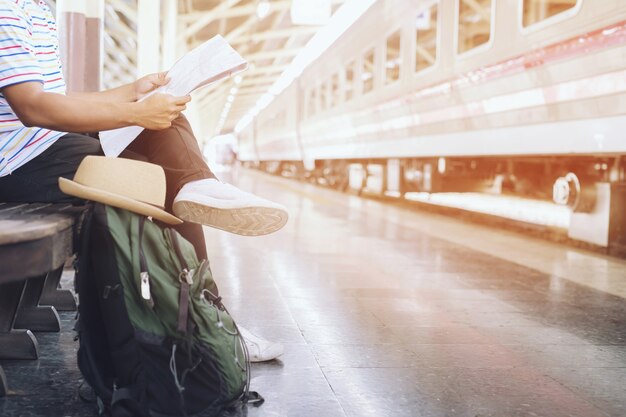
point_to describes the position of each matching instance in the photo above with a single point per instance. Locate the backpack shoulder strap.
(124, 351)
(186, 281)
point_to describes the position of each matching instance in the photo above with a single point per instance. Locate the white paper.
(210, 62)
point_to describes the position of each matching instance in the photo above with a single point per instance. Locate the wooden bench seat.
(35, 242)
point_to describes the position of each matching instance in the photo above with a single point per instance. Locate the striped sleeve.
(18, 62)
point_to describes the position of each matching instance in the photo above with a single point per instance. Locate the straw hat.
(125, 183)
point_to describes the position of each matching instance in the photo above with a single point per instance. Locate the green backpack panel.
(155, 337)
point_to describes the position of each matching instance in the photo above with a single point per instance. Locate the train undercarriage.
(592, 188)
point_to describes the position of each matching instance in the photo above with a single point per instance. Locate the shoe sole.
(249, 221)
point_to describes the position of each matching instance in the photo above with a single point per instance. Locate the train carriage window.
(369, 69)
(394, 58)
(302, 111)
(537, 10)
(349, 81)
(335, 91)
(327, 94)
(474, 23)
(312, 104)
(308, 103)
(321, 98)
(426, 39)
(315, 102)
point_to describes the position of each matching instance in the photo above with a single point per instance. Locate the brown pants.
(175, 149)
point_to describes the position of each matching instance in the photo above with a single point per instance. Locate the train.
(519, 97)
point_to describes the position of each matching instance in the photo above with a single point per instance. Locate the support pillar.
(148, 37)
(81, 32)
(169, 10)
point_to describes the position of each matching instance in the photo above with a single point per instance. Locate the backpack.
(155, 339)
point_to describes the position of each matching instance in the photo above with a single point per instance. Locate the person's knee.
(181, 121)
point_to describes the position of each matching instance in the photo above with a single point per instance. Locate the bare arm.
(128, 93)
(123, 94)
(35, 107)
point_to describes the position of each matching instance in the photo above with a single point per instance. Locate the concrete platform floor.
(386, 312)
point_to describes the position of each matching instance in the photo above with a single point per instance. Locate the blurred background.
(512, 109)
(455, 177)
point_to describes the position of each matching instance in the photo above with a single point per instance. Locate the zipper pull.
(145, 286)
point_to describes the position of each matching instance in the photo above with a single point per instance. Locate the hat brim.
(88, 193)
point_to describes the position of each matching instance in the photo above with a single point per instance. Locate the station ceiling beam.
(123, 7)
(231, 12)
(483, 11)
(280, 53)
(206, 18)
(277, 34)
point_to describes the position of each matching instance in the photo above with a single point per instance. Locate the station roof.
(260, 30)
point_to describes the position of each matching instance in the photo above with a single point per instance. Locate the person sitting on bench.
(41, 137)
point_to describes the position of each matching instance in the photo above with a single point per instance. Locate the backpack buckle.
(186, 276)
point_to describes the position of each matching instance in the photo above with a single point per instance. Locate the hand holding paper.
(147, 84)
(158, 111)
(212, 61)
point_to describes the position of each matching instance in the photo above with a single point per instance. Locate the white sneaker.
(259, 349)
(216, 204)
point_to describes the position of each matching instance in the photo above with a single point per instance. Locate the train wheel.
(570, 191)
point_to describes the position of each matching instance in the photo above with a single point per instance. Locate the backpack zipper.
(186, 282)
(179, 254)
(144, 274)
(145, 286)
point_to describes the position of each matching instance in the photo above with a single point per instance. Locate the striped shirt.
(29, 52)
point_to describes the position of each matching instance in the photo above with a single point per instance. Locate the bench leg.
(62, 300)
(31, 315)
(19, 344)
(14, 344)
(3, 384)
